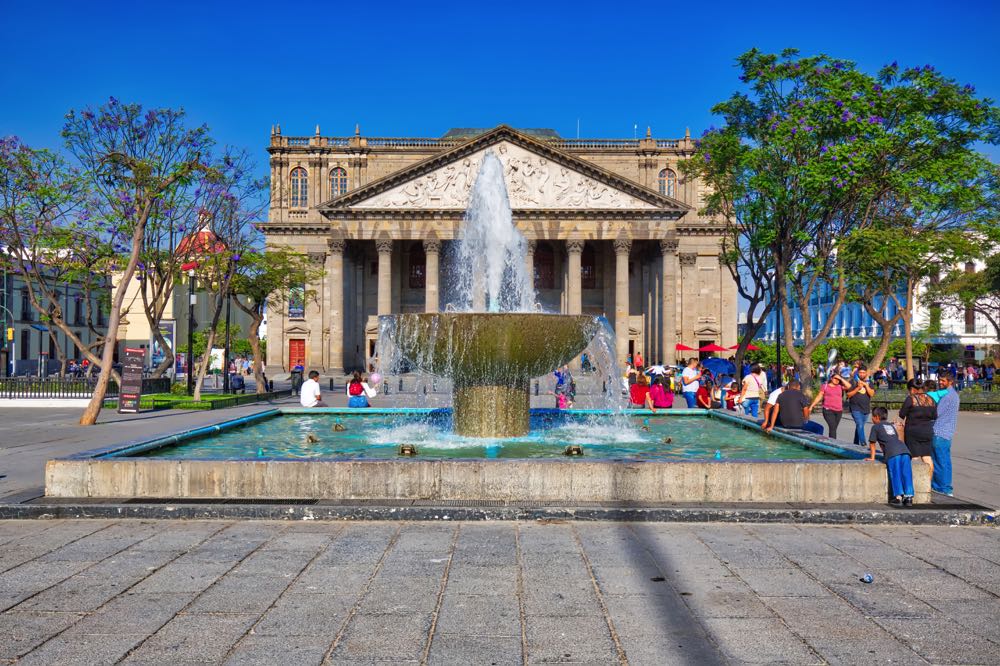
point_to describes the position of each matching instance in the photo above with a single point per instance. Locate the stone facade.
(612, 225)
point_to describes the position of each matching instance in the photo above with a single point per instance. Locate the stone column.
(668, 251)
(384, 247)
(574, 289)
(432, 252)
(622, 248)
(335, 305)
(689, 297)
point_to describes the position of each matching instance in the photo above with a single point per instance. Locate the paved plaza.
(180, 592)
(29, 437)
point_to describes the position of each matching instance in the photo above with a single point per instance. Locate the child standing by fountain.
(896, 457)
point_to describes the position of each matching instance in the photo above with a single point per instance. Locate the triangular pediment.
(537, 175)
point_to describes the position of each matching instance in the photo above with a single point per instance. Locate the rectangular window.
(78, 311)
(970, 321)
(26, 313)
(25, 344)
(297, 303)
(418, 275)
(52, 347)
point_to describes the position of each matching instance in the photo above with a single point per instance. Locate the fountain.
(492, 341)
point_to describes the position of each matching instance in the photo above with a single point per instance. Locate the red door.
(296, 352)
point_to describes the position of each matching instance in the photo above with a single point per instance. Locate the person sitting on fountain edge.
(791, 411)
(309, 396)
(358, 392)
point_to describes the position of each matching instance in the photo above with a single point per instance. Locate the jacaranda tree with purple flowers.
(132, 159)
(815, 150)
(233, 200)
(46, 240)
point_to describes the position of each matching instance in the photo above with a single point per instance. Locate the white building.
(969, 330)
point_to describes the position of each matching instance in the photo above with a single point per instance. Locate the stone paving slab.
(223, 592)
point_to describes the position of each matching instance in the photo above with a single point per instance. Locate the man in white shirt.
(689, 382)
(310, 396)
(772, 400)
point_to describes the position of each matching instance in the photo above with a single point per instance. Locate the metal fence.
(32, 387)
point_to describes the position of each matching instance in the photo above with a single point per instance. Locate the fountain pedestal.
(491, 410)
(490, 357)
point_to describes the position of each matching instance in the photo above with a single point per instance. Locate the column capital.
(317, 257)
(532, 244)
(688, 258)
(574, 246)
(432, 245)
(668, 245)
(384, 245)
(337, 244)
(623, 245)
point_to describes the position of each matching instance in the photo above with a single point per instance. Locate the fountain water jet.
(492, 341)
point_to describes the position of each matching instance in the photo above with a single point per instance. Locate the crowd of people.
(773, 396)
(923, 429)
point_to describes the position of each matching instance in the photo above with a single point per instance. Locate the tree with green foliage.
(887, 262)
(266, 280)
(979, 291)
(826, 151)
(46, 240)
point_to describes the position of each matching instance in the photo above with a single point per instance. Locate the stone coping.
(114, 472)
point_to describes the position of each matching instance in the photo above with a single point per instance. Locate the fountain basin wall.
(107, 474)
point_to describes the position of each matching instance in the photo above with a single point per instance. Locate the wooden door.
(296, 352)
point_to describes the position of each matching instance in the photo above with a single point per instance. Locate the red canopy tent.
(681, 347)
(750, 347)
(712, 348)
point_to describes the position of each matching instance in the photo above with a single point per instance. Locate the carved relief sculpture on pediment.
(532, 182)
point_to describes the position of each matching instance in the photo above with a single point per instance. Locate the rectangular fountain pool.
(348, 455)
(310, 435)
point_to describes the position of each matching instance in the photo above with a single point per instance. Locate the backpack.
(355, 388)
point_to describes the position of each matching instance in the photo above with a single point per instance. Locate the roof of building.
(466, 132)
(201, 242)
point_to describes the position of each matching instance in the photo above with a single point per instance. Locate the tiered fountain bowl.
(490, 358)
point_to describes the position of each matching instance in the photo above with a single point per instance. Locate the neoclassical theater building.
(613, 230)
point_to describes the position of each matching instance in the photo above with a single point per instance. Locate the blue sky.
(417, 69)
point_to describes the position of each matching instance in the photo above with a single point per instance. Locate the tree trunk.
(887, 326)
(258, 357)
(206, 360)
(908, 329)
(60, 354)
(154, 314)
(253, 337)
(93, 409)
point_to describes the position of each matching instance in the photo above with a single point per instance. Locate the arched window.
(545, 263)
(300, 186)
(588, 268)
(667, 182)
(418, 265)
(338, 181)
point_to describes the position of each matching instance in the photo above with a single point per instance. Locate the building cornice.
(493, 137)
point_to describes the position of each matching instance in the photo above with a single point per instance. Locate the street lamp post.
(192, 299)
(225, 357)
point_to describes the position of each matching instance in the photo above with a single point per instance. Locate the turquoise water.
(378, 436)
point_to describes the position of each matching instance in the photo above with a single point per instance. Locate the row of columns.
(334, 268)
